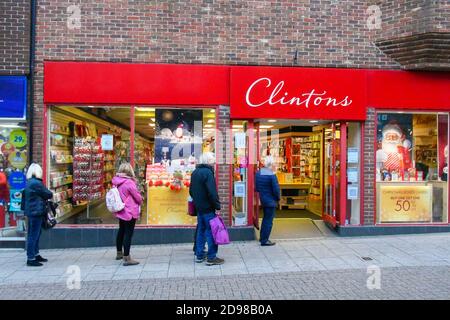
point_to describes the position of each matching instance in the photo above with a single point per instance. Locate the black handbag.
(49, 220)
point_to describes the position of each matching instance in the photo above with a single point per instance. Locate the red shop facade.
(378, 139)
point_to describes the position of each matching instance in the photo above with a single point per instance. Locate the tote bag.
(219, 231)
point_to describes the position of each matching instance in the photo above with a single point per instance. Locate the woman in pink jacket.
(125, 181)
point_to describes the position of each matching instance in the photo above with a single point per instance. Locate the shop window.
(168, 144)
(86, 147)
(13, 162)
(411, 168)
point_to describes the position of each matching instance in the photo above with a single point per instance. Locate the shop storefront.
(365, 150)
(13, 150)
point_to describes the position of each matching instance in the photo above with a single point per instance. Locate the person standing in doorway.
(203, 191)
(35, 196)
(267, 186)
(125, 181)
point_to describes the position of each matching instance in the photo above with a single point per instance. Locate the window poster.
(178, 136)
(443, 146)
(394, 138)
(412, 204)
(13, 148)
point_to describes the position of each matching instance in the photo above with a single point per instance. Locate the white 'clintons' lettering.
(306, 99)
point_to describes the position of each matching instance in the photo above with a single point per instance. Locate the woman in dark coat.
(36, 196)
(267, 186)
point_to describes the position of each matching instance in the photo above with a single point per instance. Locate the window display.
(178, 144)
(13, 162)
(80, 171)
(411, 150)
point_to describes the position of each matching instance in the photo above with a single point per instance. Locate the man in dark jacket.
(203, 191)
(267, 186)
(36, 196)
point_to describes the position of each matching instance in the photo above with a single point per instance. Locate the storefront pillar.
(343, 175)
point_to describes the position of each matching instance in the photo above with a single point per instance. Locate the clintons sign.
(298, 93)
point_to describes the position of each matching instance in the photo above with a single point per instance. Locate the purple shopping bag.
(191, 207)
(219, 231)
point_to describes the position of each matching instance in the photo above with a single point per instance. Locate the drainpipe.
(31, 80)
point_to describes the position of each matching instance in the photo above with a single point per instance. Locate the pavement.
(382, 267)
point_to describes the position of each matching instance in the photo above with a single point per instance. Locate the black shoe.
(199, 260)
(268, 243)
(40, 259)
(34, 263)
(214, 262)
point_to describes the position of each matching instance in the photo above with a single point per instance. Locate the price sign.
(405, 203)
(18, 138)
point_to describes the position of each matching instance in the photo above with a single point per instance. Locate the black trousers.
(124, 236)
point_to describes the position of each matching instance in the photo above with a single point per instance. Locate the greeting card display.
(88, 162)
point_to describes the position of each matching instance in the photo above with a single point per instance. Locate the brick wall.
(402, 18)
(14, 37)
(327, 33)
(369, 167)
(222, 154)
(416, 33)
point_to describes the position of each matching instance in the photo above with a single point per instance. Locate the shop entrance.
(307, 157)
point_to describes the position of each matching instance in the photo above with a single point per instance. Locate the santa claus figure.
(394, 153)
(179, 132)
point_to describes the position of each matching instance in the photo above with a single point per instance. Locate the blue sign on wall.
(17, 180)
(13, 97)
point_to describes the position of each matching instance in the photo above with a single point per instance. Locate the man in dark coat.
(267, 186)
(203, 191)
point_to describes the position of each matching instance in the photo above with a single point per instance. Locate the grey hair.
(127, 169)
(207, 158)
(268, 161)
(34, 170)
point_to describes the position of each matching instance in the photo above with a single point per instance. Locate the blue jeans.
(33, 235)
(204, 235)
(267, 223)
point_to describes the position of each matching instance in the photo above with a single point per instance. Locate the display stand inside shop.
(297, 157)
(88, 180)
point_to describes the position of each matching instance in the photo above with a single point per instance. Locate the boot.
(127, 261)
(119, 255)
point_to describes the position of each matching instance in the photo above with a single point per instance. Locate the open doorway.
(306, 155)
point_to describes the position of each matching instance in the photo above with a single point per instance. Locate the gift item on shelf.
(59, 128)
(61, 156)
(58, 179)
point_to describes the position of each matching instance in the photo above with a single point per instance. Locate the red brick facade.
(369, 168)
(316, 33)
(14, 37)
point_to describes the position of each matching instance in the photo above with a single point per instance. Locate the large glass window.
(176, 139)
(85, 148)
(13, 162)
(411, 167)
(88, 144)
